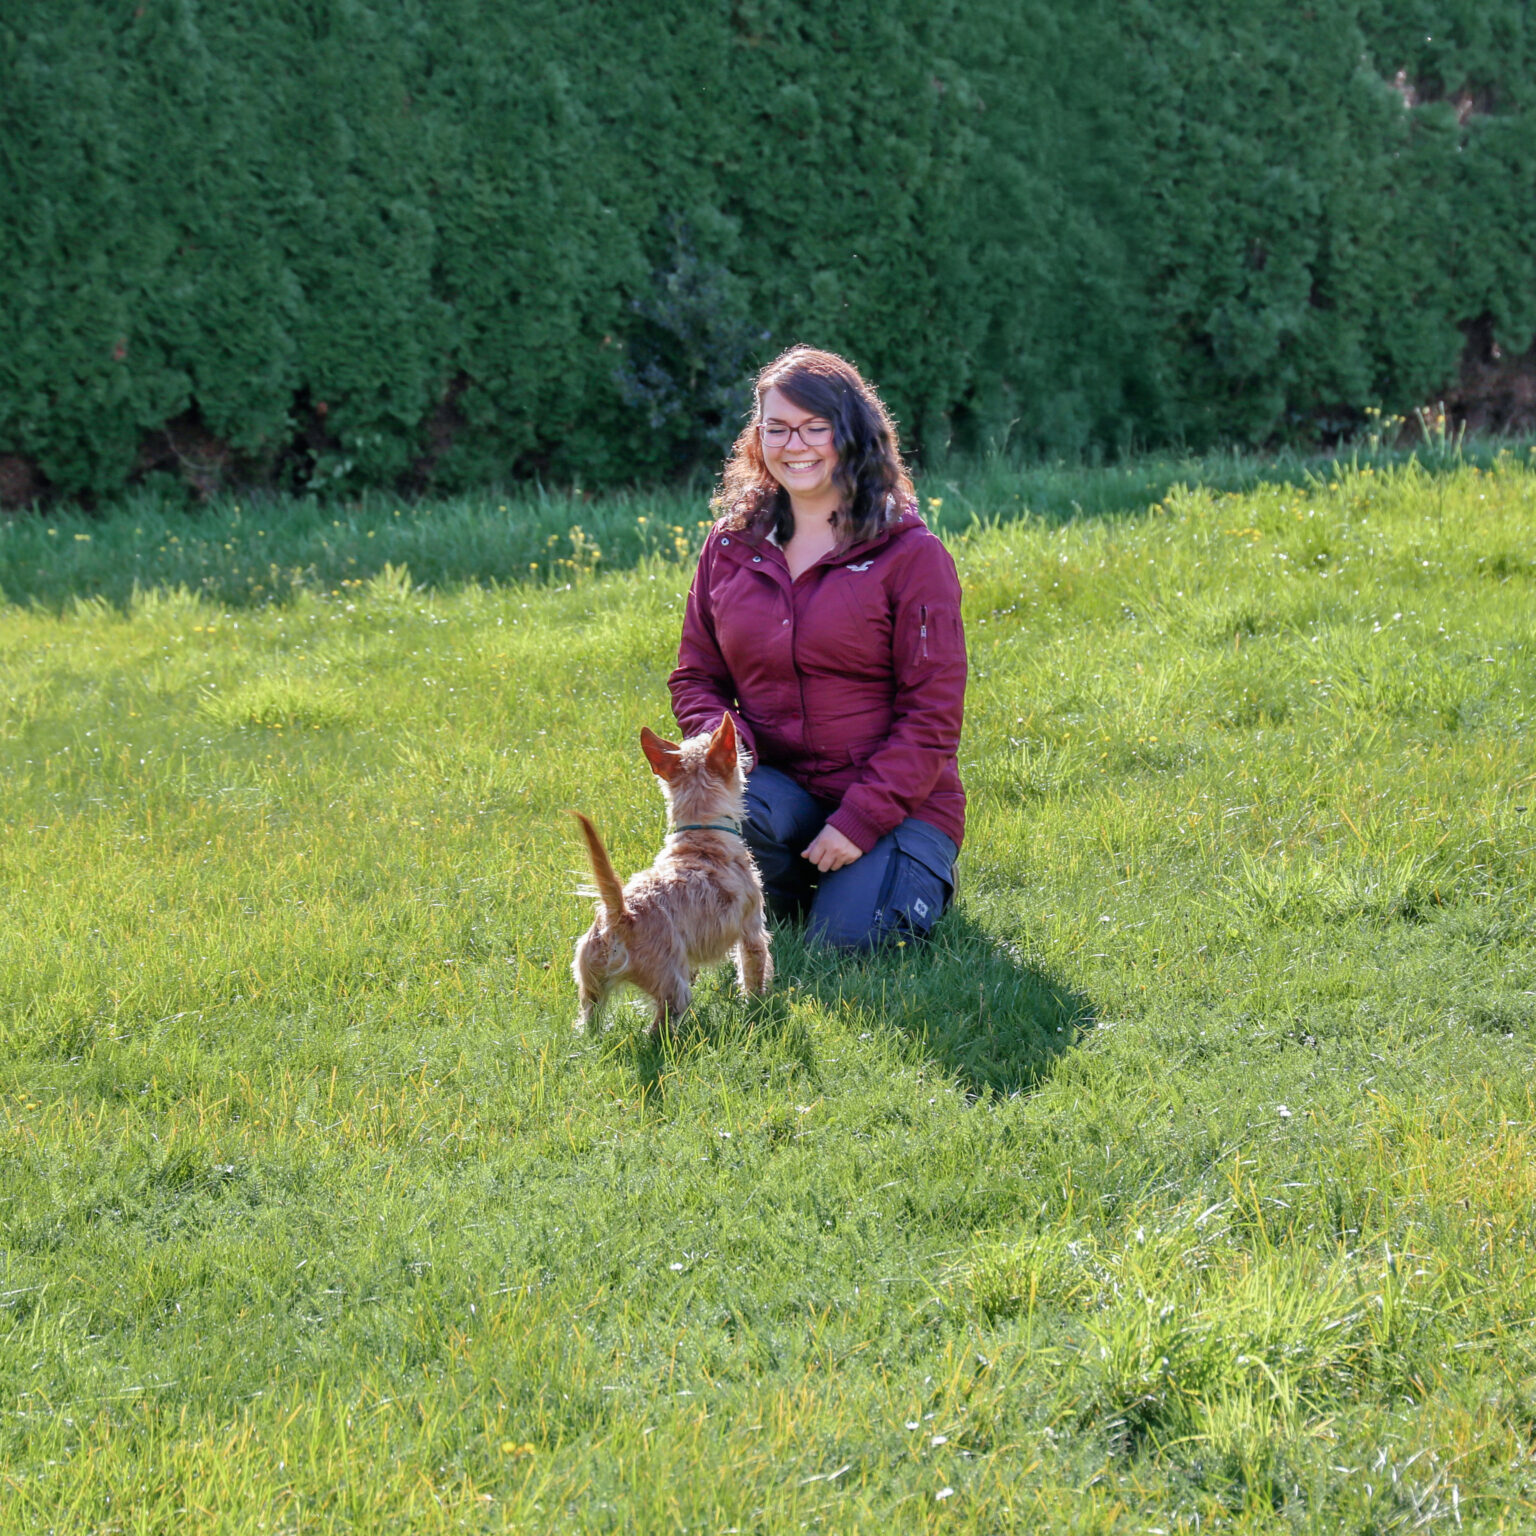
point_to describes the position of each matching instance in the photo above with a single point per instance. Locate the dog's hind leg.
(754, 959)
(671, 1004)
(593, 984)
(590, 1009)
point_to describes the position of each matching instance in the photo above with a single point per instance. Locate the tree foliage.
(441, 241)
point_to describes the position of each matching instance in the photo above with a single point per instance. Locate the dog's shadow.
(963, 1000)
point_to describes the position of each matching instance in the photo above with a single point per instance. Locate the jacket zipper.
(922, 631)
(794, 656)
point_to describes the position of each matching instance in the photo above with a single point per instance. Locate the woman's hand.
(830, 850)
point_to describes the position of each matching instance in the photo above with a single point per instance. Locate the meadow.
(1183, 1183)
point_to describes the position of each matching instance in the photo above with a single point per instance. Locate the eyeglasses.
(813, 434)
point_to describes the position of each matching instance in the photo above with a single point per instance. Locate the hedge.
(346, 242)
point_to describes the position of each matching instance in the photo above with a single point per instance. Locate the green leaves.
(358, 250)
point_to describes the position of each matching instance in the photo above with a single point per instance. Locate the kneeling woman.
(826, 616)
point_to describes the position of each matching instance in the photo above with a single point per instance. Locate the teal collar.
(707, 826)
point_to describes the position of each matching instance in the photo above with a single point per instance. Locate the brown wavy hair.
(870, 476)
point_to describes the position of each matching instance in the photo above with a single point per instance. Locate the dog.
(701, 900)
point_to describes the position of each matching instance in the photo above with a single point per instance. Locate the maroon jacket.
(850, 679)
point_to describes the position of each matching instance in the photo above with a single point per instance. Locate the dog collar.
(707, 826)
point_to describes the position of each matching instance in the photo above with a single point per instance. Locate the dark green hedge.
(351, 241)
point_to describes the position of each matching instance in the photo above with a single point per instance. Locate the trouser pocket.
(899, 888)
(920, 880)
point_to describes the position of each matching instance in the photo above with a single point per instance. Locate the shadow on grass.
(983, 1016)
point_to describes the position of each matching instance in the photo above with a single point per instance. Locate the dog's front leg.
(754, 959)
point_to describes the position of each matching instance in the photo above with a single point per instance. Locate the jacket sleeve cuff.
(858, 829)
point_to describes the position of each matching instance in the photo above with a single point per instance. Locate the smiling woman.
(826, 616)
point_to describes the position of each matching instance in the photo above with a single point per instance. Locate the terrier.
(701, 900)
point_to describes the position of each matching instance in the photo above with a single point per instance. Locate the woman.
(826, 616)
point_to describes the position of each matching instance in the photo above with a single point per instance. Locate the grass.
(266, 548)
(1185, 1182)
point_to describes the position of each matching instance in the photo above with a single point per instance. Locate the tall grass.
(1183, 1182)
(266, 548)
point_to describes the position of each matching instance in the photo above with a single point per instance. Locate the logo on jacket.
(864, 567)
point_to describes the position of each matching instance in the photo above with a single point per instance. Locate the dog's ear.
(661, 755)
(721, 756)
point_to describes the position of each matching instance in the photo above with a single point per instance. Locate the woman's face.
(804, 470)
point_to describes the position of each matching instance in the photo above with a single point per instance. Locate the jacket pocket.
(934, 634)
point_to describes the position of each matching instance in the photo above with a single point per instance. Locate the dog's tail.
(609, 890)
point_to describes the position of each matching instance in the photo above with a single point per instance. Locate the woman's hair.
(873, 482)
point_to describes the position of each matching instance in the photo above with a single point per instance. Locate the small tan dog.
(700, 901)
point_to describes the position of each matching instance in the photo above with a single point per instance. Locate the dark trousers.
(896, 890)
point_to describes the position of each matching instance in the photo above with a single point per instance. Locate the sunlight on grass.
(1183, 1182)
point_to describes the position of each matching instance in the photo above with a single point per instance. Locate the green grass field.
(1185, 1183)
